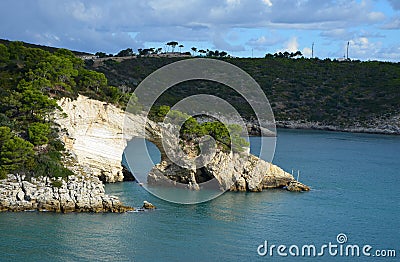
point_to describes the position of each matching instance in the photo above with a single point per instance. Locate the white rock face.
(94, 135)
(233, 171)
(73, 194)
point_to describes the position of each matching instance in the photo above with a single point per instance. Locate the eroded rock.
(148, 205)
(94, 135)
(76, 194)
(296, 186)
(232, 171)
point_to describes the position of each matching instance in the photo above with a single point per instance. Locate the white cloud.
(219, 41)
(376, 16)
(292, 45)
(233, 2)
(363, 48)
(391, 53)
(263, 42)
(267, 2)
(344, 34)
(392, 24)
(82, 12)
(306, 52)
(338, 33)
(94, 25)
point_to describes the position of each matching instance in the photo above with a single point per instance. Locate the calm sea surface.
(355, 182)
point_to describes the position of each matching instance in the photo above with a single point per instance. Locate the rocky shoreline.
(73, 194)
(95, 134)
(232, 172)
(384, 127)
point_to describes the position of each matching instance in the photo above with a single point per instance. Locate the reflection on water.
(350, 194)
(140, 156)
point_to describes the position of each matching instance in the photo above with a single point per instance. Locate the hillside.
(342, 94)
(43, 47)
(31, 82)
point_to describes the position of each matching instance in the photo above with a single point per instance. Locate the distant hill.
(343, 94)
(339, 93)
(46, 48)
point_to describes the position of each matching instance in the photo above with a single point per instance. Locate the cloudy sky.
(240, 27)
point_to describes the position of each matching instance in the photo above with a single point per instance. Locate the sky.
(243, 28)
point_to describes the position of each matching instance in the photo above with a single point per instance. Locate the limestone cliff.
(93, 134)
(234, 172)
(74, 194)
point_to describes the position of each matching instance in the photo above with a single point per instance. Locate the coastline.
(382, 128)
(76, 193)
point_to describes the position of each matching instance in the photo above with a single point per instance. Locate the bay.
(354, 180)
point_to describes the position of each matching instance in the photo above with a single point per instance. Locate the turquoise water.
(354, 180)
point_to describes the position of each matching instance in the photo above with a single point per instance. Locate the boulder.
(240, 185)
(20, 195)
(76, 194)
(295, 186)
(148, 205)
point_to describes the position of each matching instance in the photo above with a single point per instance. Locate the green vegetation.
(45, 48)
(38, 133)
(16, 154)
(329, 91)
(31, 81)
(56, 183)
(227, 136)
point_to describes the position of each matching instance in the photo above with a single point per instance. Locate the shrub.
(50, 165)
(158, 113)
(16, 154)
(38, 133)
(56, 183)
(227, 137)
(3, 174)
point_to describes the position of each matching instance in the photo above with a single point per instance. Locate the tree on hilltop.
(101, 54)
(173, 44)
(194, 49)
(125, 52)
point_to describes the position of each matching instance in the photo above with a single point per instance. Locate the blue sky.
(241, 27)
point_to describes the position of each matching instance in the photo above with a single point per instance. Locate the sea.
(351, 213)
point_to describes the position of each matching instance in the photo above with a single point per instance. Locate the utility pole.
(312, 50)
(348, 43)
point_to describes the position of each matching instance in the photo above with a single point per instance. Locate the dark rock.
(148, 205)
(296, 186)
